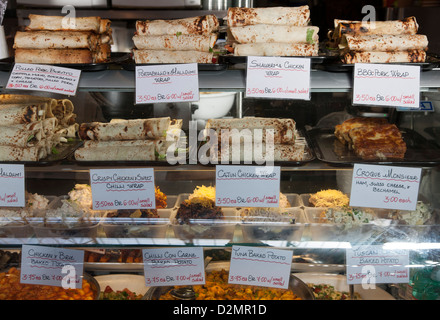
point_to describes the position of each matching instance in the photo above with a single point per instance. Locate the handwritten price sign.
(386, 85)
(52, 266)
(114, 189)
(251, 186)
(44, 78)
(12, 178)
(369, 265)
(278, 77)
(385, 187)
(167, 83)
(173, 266)
(260, 266)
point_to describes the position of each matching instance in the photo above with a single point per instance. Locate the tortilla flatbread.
(184, 42)
(56, 40)
(281, 152)
(283, 129)
(295, 16)
(22, 113)
(57, 23)
(394, 27)
(54, 56)
(206, 24)
(263, 33)
(21, 135)
(14, 153)
(168, 56)
(384, 42)
(132, 150)
(135, 129)
(385, 57)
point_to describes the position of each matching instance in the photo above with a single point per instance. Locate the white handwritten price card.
(257, 266)
(278, 77)
(49, 266)
(114, 189)
(12, 179)
(250, 186)
(386, 85)
(173, 266)
(371, 264)
(386, 187)
(167, 83)
(45, 78)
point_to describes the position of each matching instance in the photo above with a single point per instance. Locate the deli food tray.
(339, 282)
(302, 138)
(329, 149)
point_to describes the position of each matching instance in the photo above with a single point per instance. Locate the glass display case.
(318, 249)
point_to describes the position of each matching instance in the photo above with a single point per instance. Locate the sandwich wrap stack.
(379, 41)
(31, 127)
(187, 40)
(63, 40)
(250, 137)
(126, 140)
(274, 31)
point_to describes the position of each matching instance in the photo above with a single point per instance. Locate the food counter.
(314, 219)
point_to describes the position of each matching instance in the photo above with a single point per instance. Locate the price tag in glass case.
(12, 191)
(52, 266)
(278, 77)
(385, 187)
(114, 189)
(173, 266)
(45, 78)
(386, 85)
(371, 264)
(260, 266)
(167, 83)
(247, 186)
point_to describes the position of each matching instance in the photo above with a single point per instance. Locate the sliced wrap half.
(169, 56)
(206, 24)
(295, 16)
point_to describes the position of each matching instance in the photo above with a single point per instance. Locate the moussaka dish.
(371, 138)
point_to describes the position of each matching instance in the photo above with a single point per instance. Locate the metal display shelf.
(233, 80)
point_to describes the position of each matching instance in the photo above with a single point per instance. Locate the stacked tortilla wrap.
(380, 41)
(32, 127)
(187, 40)
(273, 31)
(63, 40)
(126, 140)
(254, 139)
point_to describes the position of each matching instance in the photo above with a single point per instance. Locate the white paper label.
(386, 85)
(278, 77)
(45, 78)
(174, 266)
(385, 187)
(167, 83)
(257, 266)
(52, 266)
(12, 190)
(114, 189)
(368, 265)
(250, 186)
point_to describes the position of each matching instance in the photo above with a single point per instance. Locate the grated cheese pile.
(329, 198)
(203, 192)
